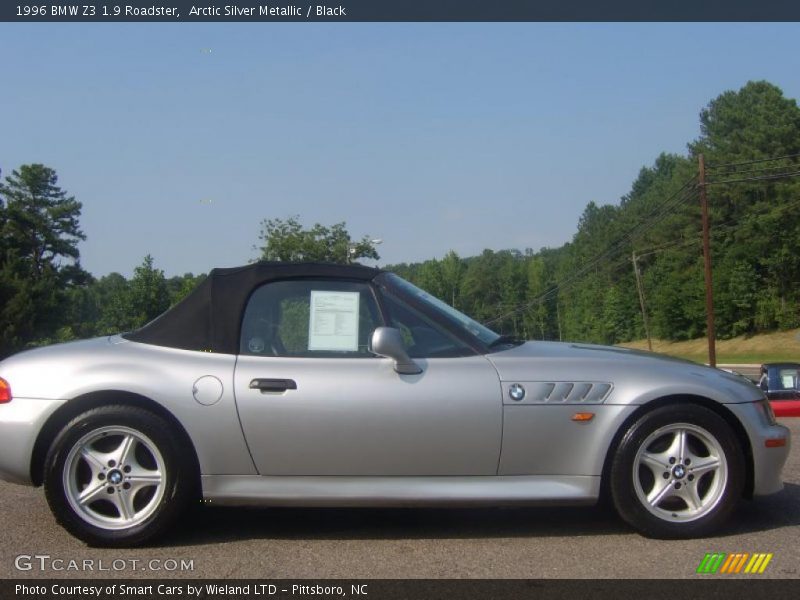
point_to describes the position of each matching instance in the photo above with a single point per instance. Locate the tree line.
(755, 245)
(584, 290)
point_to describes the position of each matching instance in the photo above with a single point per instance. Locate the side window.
(309, 318)
(788, 379)
(422, 337)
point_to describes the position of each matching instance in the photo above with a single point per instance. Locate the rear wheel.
(114, 476)
(678, 472)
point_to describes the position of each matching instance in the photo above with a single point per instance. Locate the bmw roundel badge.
(516, 391)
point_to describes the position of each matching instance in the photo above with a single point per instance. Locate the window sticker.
(333, 321)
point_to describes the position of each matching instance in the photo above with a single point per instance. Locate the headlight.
(766, 409)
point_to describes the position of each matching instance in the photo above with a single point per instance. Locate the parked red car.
(781, 383)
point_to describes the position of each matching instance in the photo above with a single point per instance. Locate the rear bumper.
(768, 461)
(21, 420)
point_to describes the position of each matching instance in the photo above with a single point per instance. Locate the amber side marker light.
(5, 391)
(583, 416)
(775, 442)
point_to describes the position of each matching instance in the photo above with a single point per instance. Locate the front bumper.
(767, 461)
(21, 420)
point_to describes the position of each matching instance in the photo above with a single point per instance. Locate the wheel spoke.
(151, 478)
(678, 446)
(682, 441)
(656, 462)
(94, 459)
(139, 473)
(657, 494)
(91, 493)
(124, 503)
(691, 496)
(124, 449)
(700, 466)
(146, 481)
(141, 478)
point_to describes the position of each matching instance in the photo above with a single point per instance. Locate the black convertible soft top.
(208, 319)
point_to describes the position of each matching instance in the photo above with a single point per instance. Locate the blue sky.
(180, 139)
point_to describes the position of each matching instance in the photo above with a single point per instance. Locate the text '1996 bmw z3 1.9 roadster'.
(330, 385)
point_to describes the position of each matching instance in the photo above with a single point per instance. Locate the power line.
(683, 194)
(752, 162)
(668, 210)
(775, 176)
(664, 210)
(758, 170)
(561, 286)
(680, 243)
(718, 230)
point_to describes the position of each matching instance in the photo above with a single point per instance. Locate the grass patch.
(767, 347)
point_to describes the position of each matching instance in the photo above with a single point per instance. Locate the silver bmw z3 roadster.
(331, 385)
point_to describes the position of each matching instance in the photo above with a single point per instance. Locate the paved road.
(345, 543)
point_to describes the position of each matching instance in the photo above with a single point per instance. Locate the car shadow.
(230, 524)
(764, 514)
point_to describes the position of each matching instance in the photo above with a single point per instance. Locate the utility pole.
(710, 332)
(640, 287)
(558, 320)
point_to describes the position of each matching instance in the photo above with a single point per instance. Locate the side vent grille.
(561, 392)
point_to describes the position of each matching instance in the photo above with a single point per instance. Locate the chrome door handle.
(273, 385)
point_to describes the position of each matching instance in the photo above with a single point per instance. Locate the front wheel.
(678, 472)
(114, 476)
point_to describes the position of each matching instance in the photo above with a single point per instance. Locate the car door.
(313, 400)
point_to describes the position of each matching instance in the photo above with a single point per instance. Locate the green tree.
(452, 273)
(758, 258)
(429, 278)
(41, 221)
(40, 256)
(755, 122)
(536, 315)
(181, 286)
(112, 294)
(617, 322)
(512, 291)
(148, 293)
(287, 240)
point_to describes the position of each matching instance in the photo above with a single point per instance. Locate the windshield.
(468, 325)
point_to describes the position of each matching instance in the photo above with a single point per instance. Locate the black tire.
(716, 492)
(153, 441)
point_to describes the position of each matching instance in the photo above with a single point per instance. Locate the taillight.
(5, 391)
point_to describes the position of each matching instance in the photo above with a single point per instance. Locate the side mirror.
(387, 341)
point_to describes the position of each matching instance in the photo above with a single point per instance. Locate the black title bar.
(400, 10)
(408, 589)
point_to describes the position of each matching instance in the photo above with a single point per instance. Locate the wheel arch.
(714, 406)
(84, 402)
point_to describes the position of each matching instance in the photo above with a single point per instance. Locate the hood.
(586, 352)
